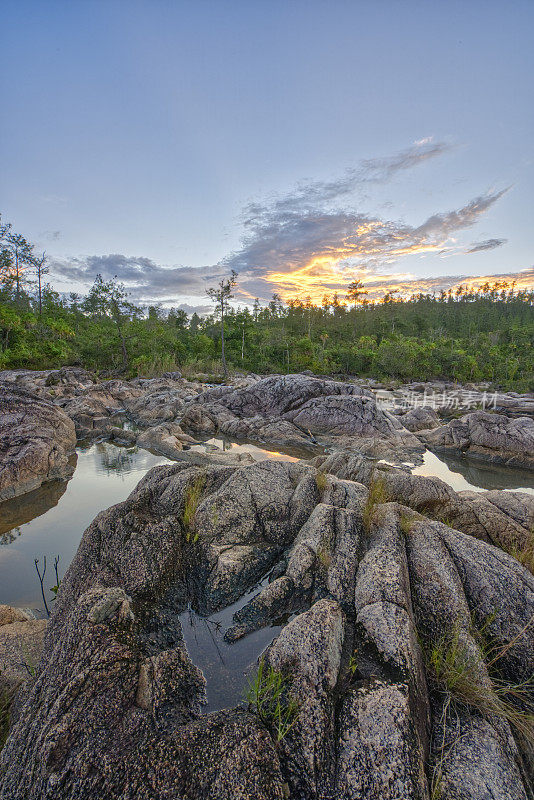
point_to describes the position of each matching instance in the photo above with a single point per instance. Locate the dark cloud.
(489, 244)
(146, 280)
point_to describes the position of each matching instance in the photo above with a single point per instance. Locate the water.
(226, 667)
(466, 474)
(51, 520)
(257, 453)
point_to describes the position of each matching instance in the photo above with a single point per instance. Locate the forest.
(485, 335)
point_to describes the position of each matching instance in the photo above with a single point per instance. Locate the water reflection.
(467, 474)
(20, 510)
(257, 453)
(226, 667)
(50, 521)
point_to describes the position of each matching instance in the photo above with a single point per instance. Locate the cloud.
(304, 242)
(146, 280)
(488, 244)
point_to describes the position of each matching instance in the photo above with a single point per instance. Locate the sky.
(302, 144)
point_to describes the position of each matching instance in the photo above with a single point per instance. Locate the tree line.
(467, 335)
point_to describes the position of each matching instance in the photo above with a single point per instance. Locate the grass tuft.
(524, 552)
(458, 672)
(377, 495)
(269, 697)
(193, 493)
(320, 480)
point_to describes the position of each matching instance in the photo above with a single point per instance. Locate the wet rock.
(37, 441)
(492, 437)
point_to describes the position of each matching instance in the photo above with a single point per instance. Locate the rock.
(289, 409)
(378, 752)
(418, 419)
(166, 439)
(21, 644)
(501, 517)
(37, 442)
(8, 615)
(368, 590)
(492, 437)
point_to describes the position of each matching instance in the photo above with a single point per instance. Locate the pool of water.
(258, 453)
(226, 667)
(464, 474)
(50, 521)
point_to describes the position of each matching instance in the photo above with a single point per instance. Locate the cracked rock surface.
(369, 589)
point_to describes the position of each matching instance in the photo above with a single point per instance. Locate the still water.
(50, 521)
(468, 474)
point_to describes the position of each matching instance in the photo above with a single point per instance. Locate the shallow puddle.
(226, 667)
(257, 453)
(467, 474)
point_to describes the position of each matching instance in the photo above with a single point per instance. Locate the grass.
(377, 495)
(524, 552)
(406, 523)
(456, 670)
(320, 480)
(193, 494)
(268, 696)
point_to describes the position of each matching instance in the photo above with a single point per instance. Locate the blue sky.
(167, 142)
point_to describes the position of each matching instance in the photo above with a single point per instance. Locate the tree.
(21, 251)
(108, 299)
(355, 291)
(222, 294)
(40, 270)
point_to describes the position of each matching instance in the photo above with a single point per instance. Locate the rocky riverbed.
(398, 613)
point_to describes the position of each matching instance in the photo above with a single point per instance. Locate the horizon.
(167, 144)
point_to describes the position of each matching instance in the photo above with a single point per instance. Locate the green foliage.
(376, 496)
(269, 697)
(193, 493)
(485, 335)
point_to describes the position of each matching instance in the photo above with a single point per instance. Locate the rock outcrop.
(21, 644)
(504, 518)
(37, 442)
(290, 410)
(377, 598)
(491, 437)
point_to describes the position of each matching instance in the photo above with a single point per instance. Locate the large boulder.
(290, 409)
(37, 442)
(491, 437)
(376, 598)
